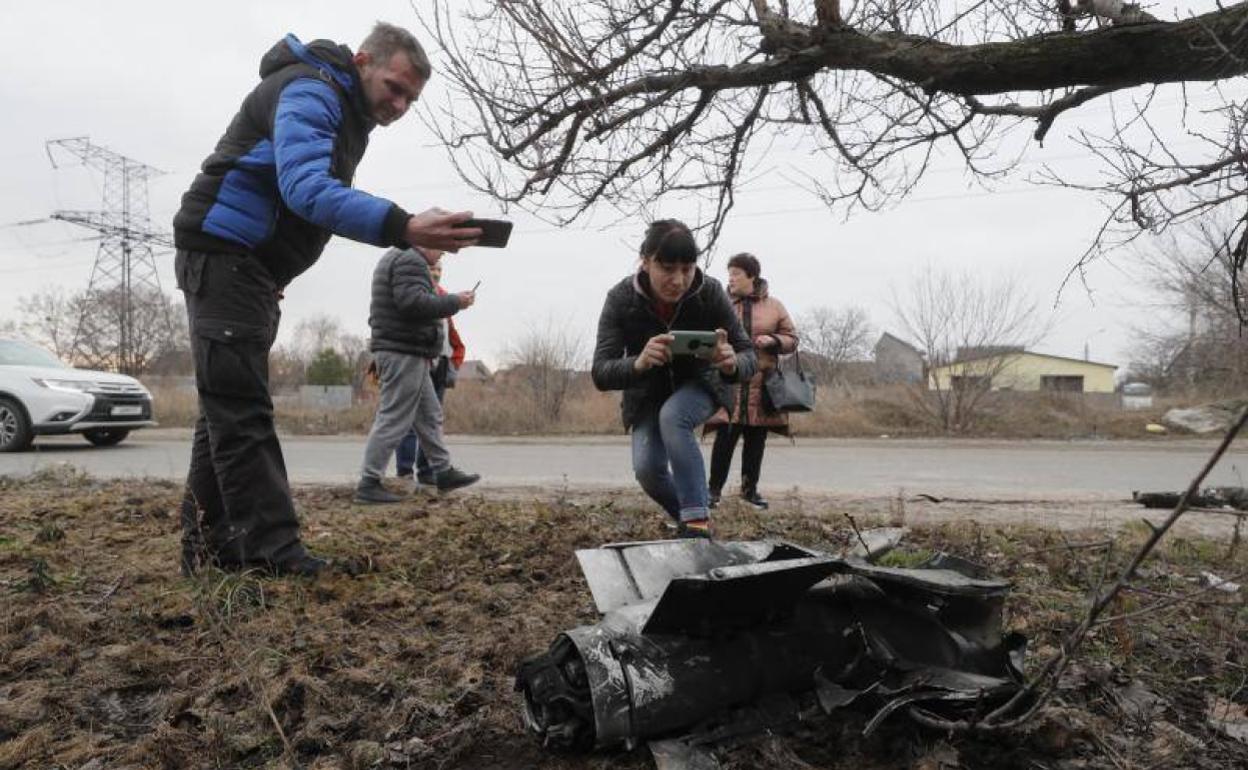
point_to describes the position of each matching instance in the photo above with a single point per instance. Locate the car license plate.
(127, 411)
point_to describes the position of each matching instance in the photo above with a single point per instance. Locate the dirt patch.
(1071, 513)
(403, 657)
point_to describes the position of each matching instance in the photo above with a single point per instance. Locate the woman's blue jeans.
(666, 457)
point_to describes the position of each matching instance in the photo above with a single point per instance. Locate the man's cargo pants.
(237, 509)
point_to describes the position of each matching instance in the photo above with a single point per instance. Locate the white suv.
(42, 396)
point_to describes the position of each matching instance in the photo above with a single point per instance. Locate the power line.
(71, 262)
(124, 264)
(24, 223)
(29, 248)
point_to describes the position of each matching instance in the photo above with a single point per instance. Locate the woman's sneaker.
(712, 499)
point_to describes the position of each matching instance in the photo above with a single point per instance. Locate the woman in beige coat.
(767, 323)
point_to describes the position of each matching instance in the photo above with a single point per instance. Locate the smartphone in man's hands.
(494, 232)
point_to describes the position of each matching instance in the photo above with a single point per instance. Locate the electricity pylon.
(124, 278)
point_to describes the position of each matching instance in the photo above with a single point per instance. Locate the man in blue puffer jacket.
(259, 213)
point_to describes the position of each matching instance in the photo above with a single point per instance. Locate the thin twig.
(854, 526)
(1069, 547)
(108, 594)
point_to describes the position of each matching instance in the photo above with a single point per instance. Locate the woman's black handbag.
(790, 390)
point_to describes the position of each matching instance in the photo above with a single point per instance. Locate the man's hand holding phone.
(657, 352)
(466, 299)
(494, 233)
(437, 229)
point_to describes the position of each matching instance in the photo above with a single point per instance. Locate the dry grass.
(476, 408)
(494, 409)
(403, 656)
(174, 407)
(898, 411)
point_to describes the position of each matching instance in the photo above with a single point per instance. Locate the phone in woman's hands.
(694, 343)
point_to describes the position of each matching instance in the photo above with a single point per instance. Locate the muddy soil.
(404, 656)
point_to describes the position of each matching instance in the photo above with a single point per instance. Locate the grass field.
(404, 655)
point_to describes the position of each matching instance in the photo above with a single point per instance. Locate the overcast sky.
(158, 81)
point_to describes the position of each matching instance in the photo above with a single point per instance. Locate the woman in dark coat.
(767, 324)
(668, 397)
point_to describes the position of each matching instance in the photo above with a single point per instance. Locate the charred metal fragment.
(874, 543)
(1235, 498)
(700, 640)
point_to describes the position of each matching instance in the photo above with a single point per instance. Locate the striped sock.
(696, 528)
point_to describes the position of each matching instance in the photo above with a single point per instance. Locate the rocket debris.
(702, 642)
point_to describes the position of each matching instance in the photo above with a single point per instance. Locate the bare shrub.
(1199, 346)
(542, 366)
(836, 337)
(311, 338)
(115, 330)
(971, 326)
(49, 318)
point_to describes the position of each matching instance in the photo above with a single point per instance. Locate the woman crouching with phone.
(672, 381)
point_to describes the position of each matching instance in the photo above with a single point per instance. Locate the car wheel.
(105, 436)
(15, 432)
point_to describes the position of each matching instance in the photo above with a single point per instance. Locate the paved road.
(868, 467)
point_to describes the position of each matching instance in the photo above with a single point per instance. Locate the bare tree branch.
(635, 103)
(1045, 114)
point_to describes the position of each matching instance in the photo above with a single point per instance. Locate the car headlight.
(73, 386)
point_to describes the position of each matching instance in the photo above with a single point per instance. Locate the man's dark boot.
(454, 478)
(302, 564)
(370, 492)
(193, 554)
(307, 565)
(192, 559)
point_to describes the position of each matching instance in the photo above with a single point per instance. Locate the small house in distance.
(1012, 368)
(897, 361)
(474, 371)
